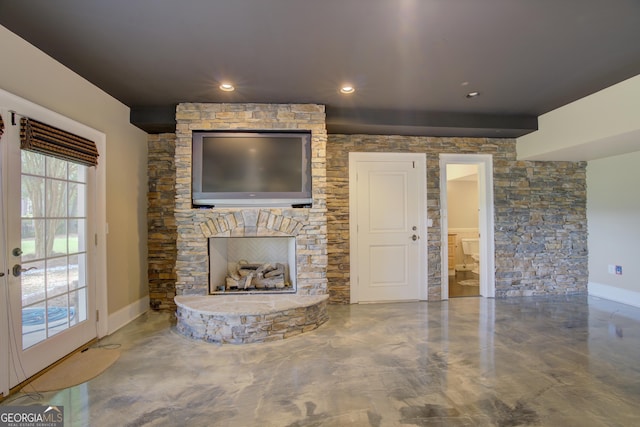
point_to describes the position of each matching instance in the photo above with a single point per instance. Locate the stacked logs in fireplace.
(256, 276)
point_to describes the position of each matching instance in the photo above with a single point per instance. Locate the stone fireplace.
(202, 254)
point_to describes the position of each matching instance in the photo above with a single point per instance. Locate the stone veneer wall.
(162, 232)
(194, 226)
(540, 214)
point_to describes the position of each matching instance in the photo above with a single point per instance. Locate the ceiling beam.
(378, 122)
(154, 119)
(423, 123)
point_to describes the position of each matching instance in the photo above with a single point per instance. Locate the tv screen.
(251, 168)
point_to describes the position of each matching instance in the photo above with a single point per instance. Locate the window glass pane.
(56, 237)
(77, 172)
(32, 163)
(32, 244)
(33, 325)
(73, 271)
(57, 314)
(57, 276)
(32, 282)
(56, 196)
(77, 235)
(78, 271)
(56, 168)
(32, 204)
(74, 303)
(72, 236)
(77, 200)
(78, 305)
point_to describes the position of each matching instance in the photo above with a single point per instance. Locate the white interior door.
(50, 256)
(388, 223)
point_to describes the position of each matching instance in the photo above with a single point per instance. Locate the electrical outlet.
(611, 269)
(619, 270)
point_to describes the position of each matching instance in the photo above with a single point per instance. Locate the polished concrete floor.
(571, 361)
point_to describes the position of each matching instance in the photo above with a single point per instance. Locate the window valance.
(42, 138)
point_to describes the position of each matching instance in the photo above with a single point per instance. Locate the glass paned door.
(50, 256)
(53, 272)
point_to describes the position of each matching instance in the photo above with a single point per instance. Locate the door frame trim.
(485, 220)
(354, 158)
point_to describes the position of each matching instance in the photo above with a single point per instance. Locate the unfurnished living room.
(320, 213)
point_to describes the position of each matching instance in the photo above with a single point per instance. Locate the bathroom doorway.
(462, 230)
(466, 197)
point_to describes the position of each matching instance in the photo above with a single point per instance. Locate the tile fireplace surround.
(211, 317)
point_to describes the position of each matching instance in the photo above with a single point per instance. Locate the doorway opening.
(466, 197)
(463, 234)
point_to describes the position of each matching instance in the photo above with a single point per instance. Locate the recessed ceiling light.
(473, 94)
(227, 87)
(347, 89)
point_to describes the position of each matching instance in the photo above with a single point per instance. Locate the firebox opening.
(252, 265)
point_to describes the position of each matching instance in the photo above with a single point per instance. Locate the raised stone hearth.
(243, 319)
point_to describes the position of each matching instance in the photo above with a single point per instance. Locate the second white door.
(388, 226)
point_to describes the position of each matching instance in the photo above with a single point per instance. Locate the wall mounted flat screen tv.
(251, 168)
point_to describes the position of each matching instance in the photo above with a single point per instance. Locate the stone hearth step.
(241, 319)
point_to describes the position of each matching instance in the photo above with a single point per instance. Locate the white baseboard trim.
(126, 314)
(623, 296)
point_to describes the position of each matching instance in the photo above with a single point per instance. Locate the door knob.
(18, 270)
(414, 237)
